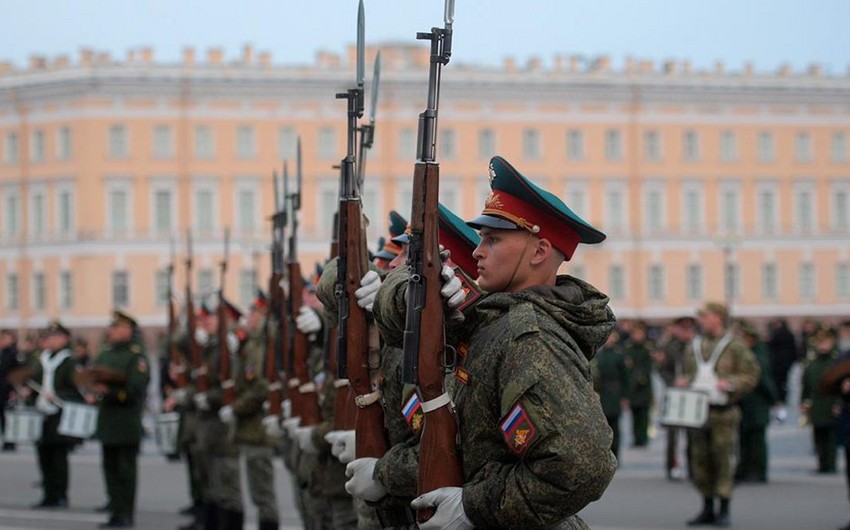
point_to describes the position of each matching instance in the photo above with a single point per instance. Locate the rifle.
(224, 371)
(175, 357)
(275, 339)
(308, 400)
(355, 337)
(199, 368)
(367, 130)
(425, 350)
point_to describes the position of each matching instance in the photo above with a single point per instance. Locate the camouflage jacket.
(736, 364)
(251, 390)
(535, 445)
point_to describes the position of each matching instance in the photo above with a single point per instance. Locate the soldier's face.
(401, 259)
(119, 332)
(502, 259)
(55, 341)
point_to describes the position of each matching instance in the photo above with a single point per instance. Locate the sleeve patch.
(518, 430)
(412, 412)
(142, 365)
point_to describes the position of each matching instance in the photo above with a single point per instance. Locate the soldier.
(54, 372)
(755, 413)
(726, 369)
(122, 372)
(245, 417)
(522, 389)
(391, 248)
(820, 409)
(10, 359)
(610, 380)
(638, 352)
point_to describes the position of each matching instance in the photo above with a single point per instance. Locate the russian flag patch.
(412, 412)
(518, 430)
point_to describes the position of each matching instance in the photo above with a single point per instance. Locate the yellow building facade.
(710, 184)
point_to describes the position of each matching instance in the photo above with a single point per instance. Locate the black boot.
(212, 514)
(706, 516)
(723, 516)
(269, 525)
(237, 520)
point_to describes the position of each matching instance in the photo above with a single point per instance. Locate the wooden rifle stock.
(199, 369)
(271, 372)
(308, 400)
(175, 357)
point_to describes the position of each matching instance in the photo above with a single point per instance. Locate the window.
(769, 281)
(804, 208)
(486, 144)
(693, 282)
(575, 144)
(204, 210)
(64, 145)
(118, 211)
(329, 203)
(655, 282)
(247, 286)
(531, 148)
(808, 288)
(163, 141)
(731, 279)
(692, 216)
(447, 144)
(162, 211)
(120, 289)
(766, 149)
(690, 146)
(803, 146)
(246, 209)
(37, 213)
(654, 214)
(246, 145)
(613, 144)
(652, 146)
(842, 280)
(768, 212)
(287, 143)
(37, 146)
(204, 142)
(577, 197)
(65, 211)
(118, 143)
(448, 194)
(12, 148)
(161, 280)
(616, 282)
(12, 292)
(12, 213)
(327, 144)
(38, 291)
(838, 147)
(66, 290)
(614, 210)
(728, 146)
(730, 209)
(406, 144)
(206, 283)
(841, 209)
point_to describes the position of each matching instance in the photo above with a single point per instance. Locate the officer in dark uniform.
(121, 373)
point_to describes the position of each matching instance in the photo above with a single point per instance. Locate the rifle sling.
(440, 401)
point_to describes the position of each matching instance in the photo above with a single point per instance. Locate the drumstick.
(37, 387)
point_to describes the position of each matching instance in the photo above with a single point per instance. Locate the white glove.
(304, 436)
(272, 426)
(449, 504)
(226, 415)
(342, 445)
(233, 342)
(360, 483)
(290, 424)
(180, 396)
(451, 290)
(201, 336)
(308, 320)
(201, 401)
(45, 406)
(369, 285)
(286, 408)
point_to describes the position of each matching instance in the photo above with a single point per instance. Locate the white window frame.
(114, 150)
(728, 146)
(205, 184)
(406, 148)
(59, 190)
(113, 292)
(328, 198)
(576, 145)
(64, 146)
(614, 148)
(652, 147)
(655, 272)
(808, 278)
(839, 221)
(650, 187)
(729, 185)
(447, 144)
(766, 147)
(160, 282)
(12, 225)
(124, 184)
(487, 143)
(249, 184)
(450, 196)
(163, 141)
(163, 184)
(38, 146)
(287, 142)
(38, 293)
(767, 187)
(691, 151)
(617, 281)
(203, 141)
(246, 142)
(37, 191)
(694, 282)
(580, 186)
(838, 147)
(696, 187)
(373, 207)
(807, 186)
(13, 291)
(327, 143)
(12, 148)
(842, 280)
(532, 144)
(620, 212)
(803, 147)
(65, 300)
(248, 284)
(770, 290)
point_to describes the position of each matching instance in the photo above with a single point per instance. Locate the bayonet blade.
(299, 177)
(361, 44)
(449, 16)
(376, 81)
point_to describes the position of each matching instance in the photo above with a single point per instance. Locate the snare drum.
(685, 408)
(23, 426)
(167, 429)
(78, 420)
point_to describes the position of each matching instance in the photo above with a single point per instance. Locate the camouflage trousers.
(259, 471)
(224, 482)
(712, 451)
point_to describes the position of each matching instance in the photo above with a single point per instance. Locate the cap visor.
(385, 255)
(401, 239)
(491, 222)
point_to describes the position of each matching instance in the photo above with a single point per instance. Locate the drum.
(23, 426)
(78, 420)
(167, 429)
(685, 407)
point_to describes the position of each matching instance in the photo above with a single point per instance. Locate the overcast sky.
(766, 32)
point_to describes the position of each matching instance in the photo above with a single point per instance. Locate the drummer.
(53, 371)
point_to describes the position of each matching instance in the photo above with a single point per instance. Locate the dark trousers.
(53, 462)
(640, 425)
(752, 464)
(671, 458)
(825, 445)
(119, 472)
(614, 423)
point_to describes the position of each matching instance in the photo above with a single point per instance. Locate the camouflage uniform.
(527, 361)
(639, 363)
(712, 448)
(249, 433)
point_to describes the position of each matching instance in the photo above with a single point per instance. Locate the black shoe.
(188, 510)
(117, 522)
(194, 525)
(106, 508)
(53, 503)
(706, 516)
(8, 447)
(723, 521)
